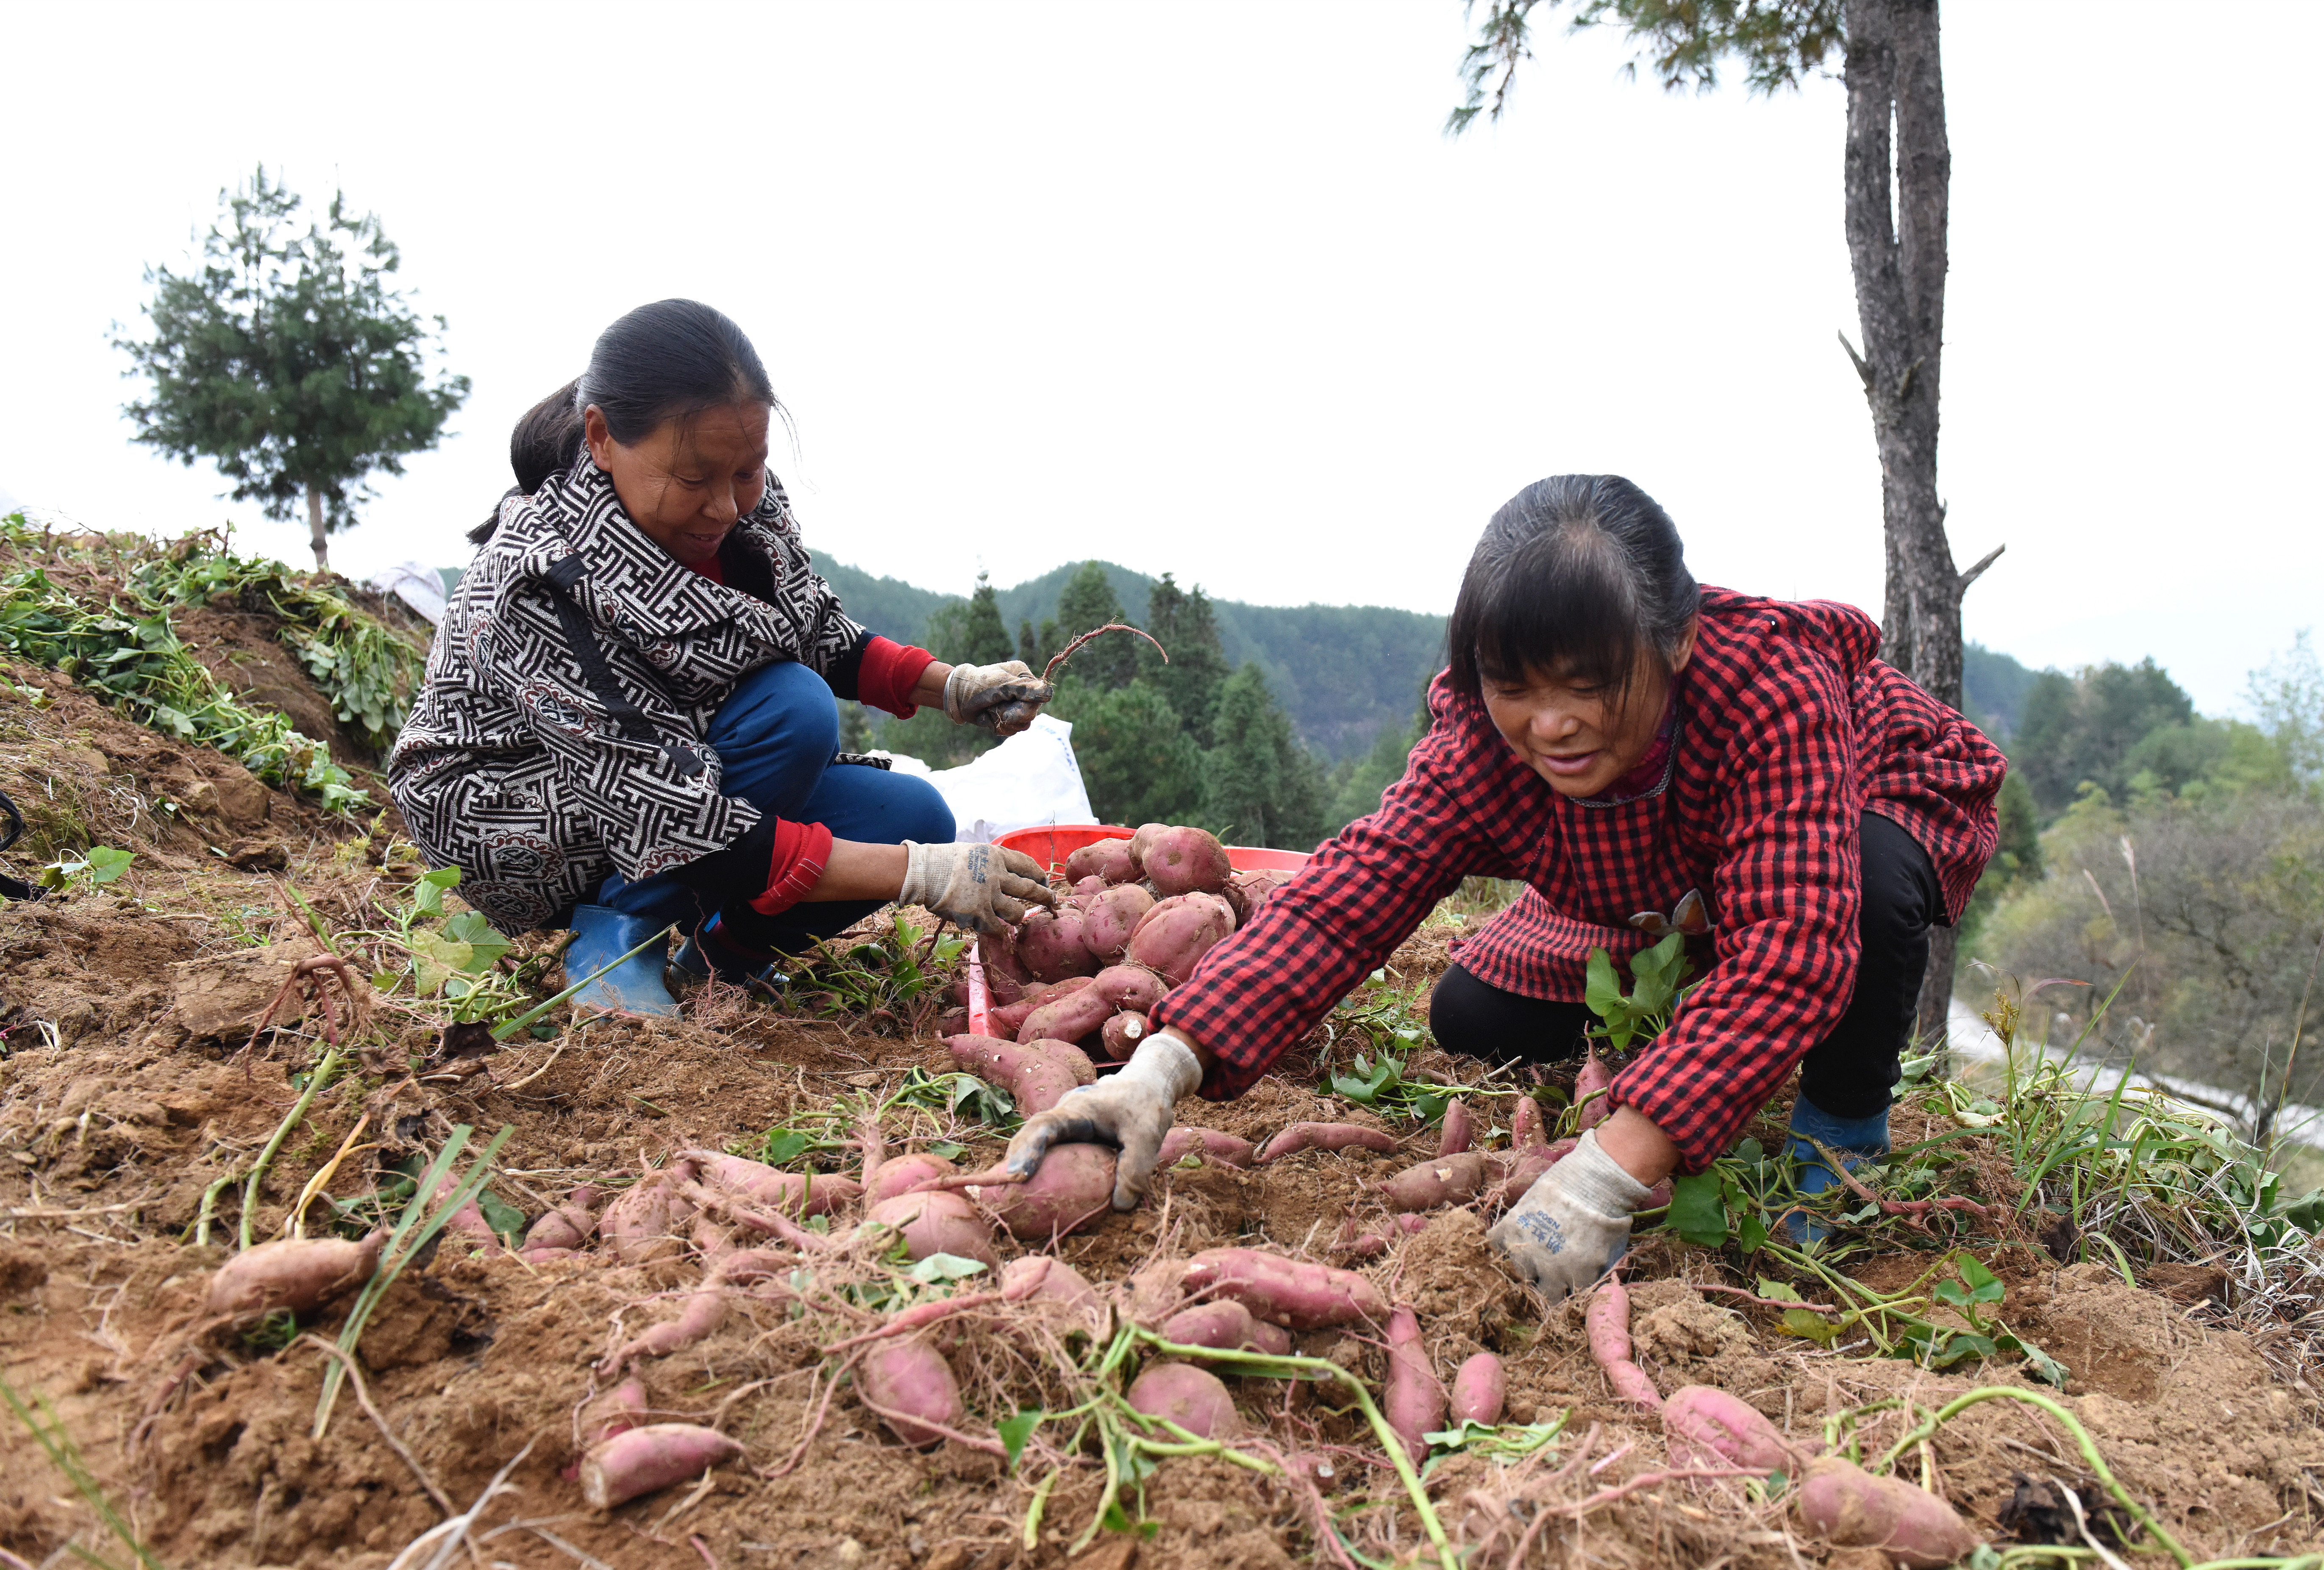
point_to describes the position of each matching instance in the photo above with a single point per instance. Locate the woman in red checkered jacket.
(1623, 741)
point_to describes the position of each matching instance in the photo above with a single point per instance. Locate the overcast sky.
(1203, 287)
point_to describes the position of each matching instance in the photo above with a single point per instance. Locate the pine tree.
(1244, 771)
(1136, 758)
(983, 635)
(1184, 623)
(289, 361)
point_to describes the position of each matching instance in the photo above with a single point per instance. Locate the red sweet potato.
(1067, 1019)
(299, 1273)
(1300, 1297)
(1185, 1140)
(1046, 1279)
(1525, 1130)
(1106, 858)
(1031, 1075)
(1608, 1323)
(1139, 839)
(643, 1224)
(616, 1411)
(1071, 1189)
(1446, 1180)
(909, 1378)
(1174, 936)
(568, 1227)
(1050, 944)
(1301, 1136)
(938, 1222)
(997, 949)
(794, 1194)
(1185, 861)
(1526, 1166)
(1590, 1091)
(1413, 1402)
(1067, 1053)
(1190, 1397)
(905, 1173)
(1130, 986)
(1225, 1324)
(1121, 1035)
(1706, 1427)
(704, 1309)
(1457, 1130)
(639, 1461)
(1112, 917)
(1366, 1245)
(1088, 888)
(1480, 1389)
(1850, 1507)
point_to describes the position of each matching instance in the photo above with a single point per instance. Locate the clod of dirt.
(1680, 1332)
(257, 855)
(220, 999)
(2040, 1512)
(22, 1272)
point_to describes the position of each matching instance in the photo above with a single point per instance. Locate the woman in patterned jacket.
(1623, 742)
(628, 722)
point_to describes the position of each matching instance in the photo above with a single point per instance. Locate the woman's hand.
(1575, 1222)
(1003, 698)
(982, 887)
(1129, 1110)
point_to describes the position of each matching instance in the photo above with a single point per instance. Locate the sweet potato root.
(1413, 1402)
(1185, 861)
(1175, 935)
(1608, 1323)
(1706, 1427)
(1590, 1088)
(1049, 944)
(1075, 1061)
(1107, 858)
(568, 1227)
(1130, 986)
(1458, 1129)
(1139, 839)
(641, 1224)
(905, 1173)
(1112, 917)
(1848, 1506)
(1185, 1140)
(909, 1378)
(1301, 1136)
(1446, 1180)
(1121, 1035)
(1526, 1166)
(1067, 1019)
(938, 1222)
(1525, 1128)
(1073, 1188)
(639, 1461)
(298, 1273)
(1190, 1397)
(1299, 1297)
(794, 1194)
(1046, 1279)
(1480, 1389)
(1034, 1078)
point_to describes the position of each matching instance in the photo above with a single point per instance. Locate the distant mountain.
(1341, 672)
(1993, 691)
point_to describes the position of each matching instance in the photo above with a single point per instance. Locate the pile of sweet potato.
(1138, 914)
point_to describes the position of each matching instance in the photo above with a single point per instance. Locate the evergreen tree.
(2086, 727)
(983, 635)
(1136, 758)
(1242, 770)
(1184, 625)
(1029, 646)
(1088, 601)
(855, 728)
(289, 361)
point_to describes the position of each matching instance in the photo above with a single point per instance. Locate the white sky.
(1199, 286)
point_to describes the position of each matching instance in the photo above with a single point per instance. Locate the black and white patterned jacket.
(558, 735)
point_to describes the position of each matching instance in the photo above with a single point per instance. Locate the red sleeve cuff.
(888, 674)
(801, 852)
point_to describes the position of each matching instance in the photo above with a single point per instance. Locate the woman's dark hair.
(1575, 574)
(670, 360)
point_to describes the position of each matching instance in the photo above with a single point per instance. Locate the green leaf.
(785, 1145)
(1015, 1431)
(502, 1217)
(1698, 1210)
(106, 863)
(1809, 1327)
(944, 1267)
(485, 944)
(1751, 1233)
(1600, 988)
(1780, 1291)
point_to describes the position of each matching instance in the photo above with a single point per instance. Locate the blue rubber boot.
(602, 935)
(712, 951)
(1852, 1139)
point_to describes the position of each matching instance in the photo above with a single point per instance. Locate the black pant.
(1848, 1074)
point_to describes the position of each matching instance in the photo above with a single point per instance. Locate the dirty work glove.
(1129, 1110)
(982, 887)
(1573, 1224)
(1002, 699)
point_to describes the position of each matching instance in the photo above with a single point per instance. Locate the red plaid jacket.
(1788, 729)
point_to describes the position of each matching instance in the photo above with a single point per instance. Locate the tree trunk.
(1897, 175)
(315, 535)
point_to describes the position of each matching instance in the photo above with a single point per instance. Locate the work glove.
(1003, 698)
(1129, 1110)
(982, 887)
(1572, 1224)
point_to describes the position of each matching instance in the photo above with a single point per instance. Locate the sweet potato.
(641, 1224)
(1174, 936)
(1480, 1389)
(1121, 1035)
(1112, 917)
(1046, 1279)
(639, 1461)
(1526, 1167)
(905, 1173)
(1590, 1088)
(997, 950)
(1190, 1397)
(1073, 1188)
(1365, 1245)
(1141, 837)
(704, 1309)
(1185, 861)
(1453, 1137)
(1446, 1180)
(1067, 1053)
(298, 1273)
(1031, 1075)
(1185, 1140)
(568, 1227)
(616, 1411)
(1300, 1297)
(1706, 1427)
(909, 1378)
(1067, 1019)
(794, 1194)
(1852, 1509)
(1088, 888)
(1525, 1129)
(1608, 1323)
(1413, 1402)
(1225, 1324)
(1301, 1136)
(938, 1222)
(1130, 986)
(1106, 858)
(1049, 943)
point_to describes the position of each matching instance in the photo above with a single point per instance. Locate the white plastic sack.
(417, 585)
(1032, 778)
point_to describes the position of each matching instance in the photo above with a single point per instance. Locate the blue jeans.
(775, 736)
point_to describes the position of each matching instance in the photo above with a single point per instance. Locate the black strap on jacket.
(598, 671)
